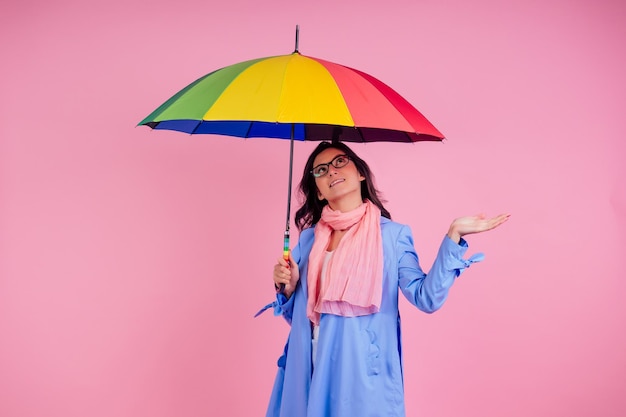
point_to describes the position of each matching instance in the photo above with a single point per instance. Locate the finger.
(281, 267)
(280, 270)
(281, 280)
(502, 218)
(497, 221)
(292, 261)
(277, 270)
(282, 277)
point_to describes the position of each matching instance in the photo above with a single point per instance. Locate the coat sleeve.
(429, 291)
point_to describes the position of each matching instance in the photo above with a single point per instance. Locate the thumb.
(291, 260)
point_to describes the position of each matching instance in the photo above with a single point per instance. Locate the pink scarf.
(353, 283)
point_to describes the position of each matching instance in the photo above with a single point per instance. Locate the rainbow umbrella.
(294, 97)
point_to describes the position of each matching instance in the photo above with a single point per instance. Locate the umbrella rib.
(361, 135)
(195, 128)
(248, 130)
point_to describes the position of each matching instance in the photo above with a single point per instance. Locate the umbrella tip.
(297, 36)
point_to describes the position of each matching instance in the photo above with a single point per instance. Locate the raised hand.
(474, 224)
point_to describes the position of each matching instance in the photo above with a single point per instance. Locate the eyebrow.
(328, 163)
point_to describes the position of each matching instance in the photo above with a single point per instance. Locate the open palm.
(474, 224)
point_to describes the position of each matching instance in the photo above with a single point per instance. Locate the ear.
(361, 177)
(320, 196)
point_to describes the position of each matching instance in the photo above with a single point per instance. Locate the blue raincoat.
(358, 368)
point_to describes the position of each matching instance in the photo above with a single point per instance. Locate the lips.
(337, 181)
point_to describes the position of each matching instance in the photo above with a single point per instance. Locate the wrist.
(454, 235)
(285, 290)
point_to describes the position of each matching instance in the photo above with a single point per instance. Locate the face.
(340, 186)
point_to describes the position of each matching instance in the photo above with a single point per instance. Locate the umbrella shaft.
(286, 236)
(290, 179)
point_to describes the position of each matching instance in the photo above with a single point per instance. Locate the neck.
(346, 204)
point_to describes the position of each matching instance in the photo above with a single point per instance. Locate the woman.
(339, 293)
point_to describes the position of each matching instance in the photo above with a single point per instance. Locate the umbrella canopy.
(293, 97)
(275, 96)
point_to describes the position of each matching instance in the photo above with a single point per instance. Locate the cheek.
(317, 191)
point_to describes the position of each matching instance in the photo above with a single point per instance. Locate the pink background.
(132, 261)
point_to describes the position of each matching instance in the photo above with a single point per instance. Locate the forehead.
(326, 156)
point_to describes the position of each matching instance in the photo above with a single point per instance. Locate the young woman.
(343, 356)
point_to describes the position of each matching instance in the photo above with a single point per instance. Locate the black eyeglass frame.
(333, 162)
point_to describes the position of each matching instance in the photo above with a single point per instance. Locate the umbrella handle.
(286, 248)
(286, 251)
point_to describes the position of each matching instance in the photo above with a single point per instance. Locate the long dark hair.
(311, 210)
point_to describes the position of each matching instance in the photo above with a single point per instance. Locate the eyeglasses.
(339, 161)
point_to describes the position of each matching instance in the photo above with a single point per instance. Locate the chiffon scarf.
(353, 281)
